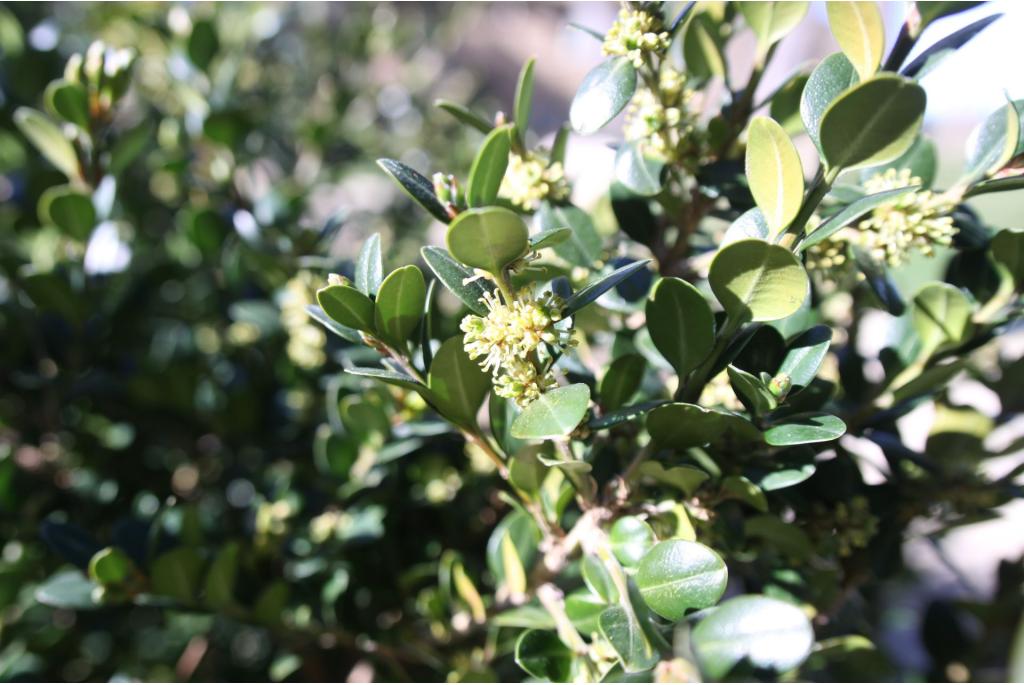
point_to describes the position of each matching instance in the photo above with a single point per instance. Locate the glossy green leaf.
(70, 101)
(993, 143)
(623, 414)
(686, 478)
(399, 305)
(702, 49)
(590, 292)
(750, 224)
(680, 426)
(317, 313)
(542, 655)
(623, 631)
(110, 566)
(489, 167)
(832, 77)
(369, 266)
(774, 171)
(219, 587)
(456, 277)
(347, 306)
(177, 573)
(786, 478)
(584, 610)
(805, 355)
(490, 238)
(638, 172)
(941, 316)
(850, 213)
(860, 32)
(802, 429)
(67, 590)
(751, 391)
(457, 383)
(621, 381)
(555, 414)
(676, 576)
(681, 324)
(758, 281)
(417, 186)
(872, 123)
(630, 538)
(524, 98)
(598, 579)
(583, 247)
(69, 210)
(48, 139)
(768, 633)
(933, 55)
(465, 115)
(605, 92)
(771, 21)
(550, 238)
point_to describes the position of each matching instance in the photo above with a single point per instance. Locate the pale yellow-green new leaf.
(771, 21)
(860, 32)
(774, 172)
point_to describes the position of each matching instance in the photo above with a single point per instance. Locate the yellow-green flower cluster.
(830, 256)
(916, 220)
(849, 526)
(530, 179)
(664, 123)
(507, 338)
(305, 340)
(636, 34)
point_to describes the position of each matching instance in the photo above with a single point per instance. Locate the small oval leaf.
(676, 576)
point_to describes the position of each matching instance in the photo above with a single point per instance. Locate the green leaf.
(805, 355)
(992, 144)
(750, 224)
(465, 115)
(920, 159)
(676, 576)
(110, 566)
(129, 145)
(621, 381)
(702, 49)
(67, 590)
(771, 21)
(941, 316)
(270, 604)
(802, 429)
(880, 280)
(390, 377)
(525, 471)
(347, 306)
(751, 391)
(68, 101)
(219, 588)
(933, 10)
(605, 92)
(48, 139)
(933, 55)
(786, 478)
(490, 238)
(623, 631)
(399, 305)
(554, 414)
(584, 245)
(995, 185)
(872, 123)
(758, 281)
(69, 210)
(524, 99)
(1007, 248)
(455, 277)
(521, 529)
(740, 488)
(489, 168)
(549, 238)
(685, 478)
(417, 186)
(769, 633)
(860, 32)
(589, 293)
(369, 266)
(630, 538)
(542, 655)
(785, 104)
(680, 426)
(457, 383)
(638, 172)
(850, 213)
(623, 414)
(598, 579)
(681, 324)
(584, 610)
(774, 172)
(176, 574)
(832, 77)
(316, 312)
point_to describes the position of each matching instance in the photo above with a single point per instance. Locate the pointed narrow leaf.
(775, 173)
(681, 324)
(860, 32)
(465, 115)
(369, 268)
(850, 213)
(524, 98)
(344, 332)
(399, 305)
(592, 291)
(490, 238)
(940, 50)
(454, 276)
(605, 92)
(347, 306)
(417, 186)
(489, 167)
(554, 414)
(622, 380)
(676, 576)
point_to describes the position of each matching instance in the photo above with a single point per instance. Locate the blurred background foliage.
(161, 386)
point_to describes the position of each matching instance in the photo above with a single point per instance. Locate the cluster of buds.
(636, 34)
(104, 72)
(665, 122)
(530, 179)
(448, 191)
(306, 341)
(849, 526)
(507, 342)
